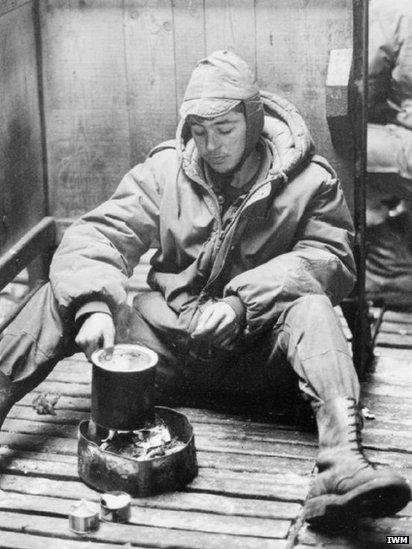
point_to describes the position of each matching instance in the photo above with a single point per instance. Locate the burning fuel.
(143, 444)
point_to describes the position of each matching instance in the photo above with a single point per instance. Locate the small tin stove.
(122, 402)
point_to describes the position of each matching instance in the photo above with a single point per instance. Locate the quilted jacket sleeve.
(321, 262)
(99, 251)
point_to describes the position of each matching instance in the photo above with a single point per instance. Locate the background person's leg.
(389, 235)
(389, 150)
(30, 347)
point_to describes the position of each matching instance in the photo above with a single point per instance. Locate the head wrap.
(218, 84)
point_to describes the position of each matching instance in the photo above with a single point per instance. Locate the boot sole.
(373, 499)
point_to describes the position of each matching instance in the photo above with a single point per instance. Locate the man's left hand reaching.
(217, 324)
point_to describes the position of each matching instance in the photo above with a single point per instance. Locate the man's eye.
(225, 132)
(198, 132)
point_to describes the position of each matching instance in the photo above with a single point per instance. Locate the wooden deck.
(253, 477)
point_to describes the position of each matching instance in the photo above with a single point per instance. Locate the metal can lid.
(84, 509)
(125, 358)
(115, 500)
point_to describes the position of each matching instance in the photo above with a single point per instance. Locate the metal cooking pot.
(123, 387)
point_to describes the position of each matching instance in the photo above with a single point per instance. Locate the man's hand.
(218, 324)
(96, 332)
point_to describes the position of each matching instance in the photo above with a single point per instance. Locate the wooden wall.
(115, 73)
(22, 200)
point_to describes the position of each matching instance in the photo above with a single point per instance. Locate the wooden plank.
(46, 443)
(397, 316)
(10, 455)
(221, 431)
(383, 422)
(13, 459)
(167, 518)
(401, 328)
(252, 432)
(66, 464)
(17, 540)
(186, 501)
(151, 88)
(64, 417)
(240, 418)
(401, 354)
(66, 447)
(286, 485)
(125, 533)
(189, 21)
(388, 407)
(44, 429)
(85, 101)
(65, 402)
(395, 340)
(21, 164)
(76, 375)
(297, 68)
(263, 464)
(399, 460)
(231, 25)
(67, 389)
(387, 440)
(387, 389)
(392, 370)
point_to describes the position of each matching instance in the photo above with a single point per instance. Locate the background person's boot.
(8, 397)
(347, 485)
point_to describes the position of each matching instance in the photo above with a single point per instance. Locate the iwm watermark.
(398, 540)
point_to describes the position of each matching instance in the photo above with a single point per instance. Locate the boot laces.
(355, 438)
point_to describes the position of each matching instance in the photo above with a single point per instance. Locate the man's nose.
(212, 142)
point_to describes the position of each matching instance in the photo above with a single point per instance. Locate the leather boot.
(8, 396)
(348, 486)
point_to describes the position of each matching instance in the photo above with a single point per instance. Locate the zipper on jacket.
(222, 233)
(235, 219)
(218, 240)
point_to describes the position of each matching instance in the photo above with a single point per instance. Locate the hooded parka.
(290, 236)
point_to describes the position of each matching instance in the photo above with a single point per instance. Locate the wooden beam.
(359, 89)
(38, 240)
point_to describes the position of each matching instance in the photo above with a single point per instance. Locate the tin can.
(123, 387)
(115, 506)
(84, 517)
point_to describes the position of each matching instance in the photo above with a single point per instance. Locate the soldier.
(253, 240)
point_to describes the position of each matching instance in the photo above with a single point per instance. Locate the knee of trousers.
(309, 308)
(311, 324)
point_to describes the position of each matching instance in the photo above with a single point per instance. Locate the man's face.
(221, 140)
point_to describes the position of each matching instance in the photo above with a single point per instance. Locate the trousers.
(305, 347)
